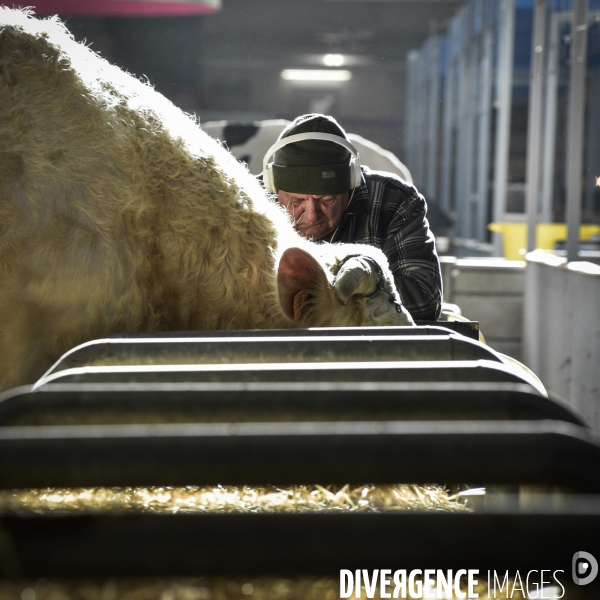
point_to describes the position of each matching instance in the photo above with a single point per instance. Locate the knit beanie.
(316, 167)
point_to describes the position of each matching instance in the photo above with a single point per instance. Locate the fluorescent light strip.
(316, 75)
(333, 60)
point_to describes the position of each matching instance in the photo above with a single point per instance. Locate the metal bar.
(357, 371)
(92, 404)
(504, 99)
(410, 104)
(484, 452)
(264, 349)
(575, 138)
(419, 122)
(463, 187)
(484, 137)
(447, 160)
(551, 90)
(469, 329)
(473, 85)
(592, 148)
(534, 133)
(290, 545)
(434, 118)
(423, 121)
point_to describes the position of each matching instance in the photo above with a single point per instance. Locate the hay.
(225, 499)
(220, 499)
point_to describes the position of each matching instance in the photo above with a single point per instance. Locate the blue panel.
(477, 17)
(495, 11)
(491, 13)
(455, 38)
(471, 7)
(523, 36)
(463, 29)
(565, 5)
(593, 46)
(520, 91)
(444, 54)
(593, 49)
(565, 46)
(426, 56)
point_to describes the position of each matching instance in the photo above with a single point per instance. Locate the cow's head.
(358, 291)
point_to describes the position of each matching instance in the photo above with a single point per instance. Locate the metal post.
(504, 100)
(470, 130)
(462, 184)
(484, 136)
(592, 147)
(447, 155)
(534, 133)
(419, 136)
(575, 124)
(434, 120)
(410, 103)
(551, 92)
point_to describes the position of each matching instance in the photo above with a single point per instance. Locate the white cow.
(117, 213)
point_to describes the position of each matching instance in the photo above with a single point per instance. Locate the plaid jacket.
(390, 214)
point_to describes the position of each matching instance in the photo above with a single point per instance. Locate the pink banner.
(129, 8)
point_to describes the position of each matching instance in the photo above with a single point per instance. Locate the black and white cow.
(249, 142)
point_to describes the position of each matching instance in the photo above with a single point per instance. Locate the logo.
(585, 568)
(327, 174)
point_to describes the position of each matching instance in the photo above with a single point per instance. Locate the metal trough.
(72, 404)
(475, 452)
(463, 416)
(469, 329)
(289, 545)
(273, 349)
(375, 371)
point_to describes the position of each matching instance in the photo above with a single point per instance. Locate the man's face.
(314, 216)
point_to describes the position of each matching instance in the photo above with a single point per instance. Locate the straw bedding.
(221, 499)
(233, 499)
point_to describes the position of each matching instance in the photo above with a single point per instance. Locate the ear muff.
(355, 172)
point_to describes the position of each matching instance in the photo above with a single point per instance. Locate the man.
(331, 198)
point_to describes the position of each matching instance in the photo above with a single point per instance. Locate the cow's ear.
(298, 276)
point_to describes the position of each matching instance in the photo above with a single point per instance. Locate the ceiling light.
(333, 60)
(316, 75)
